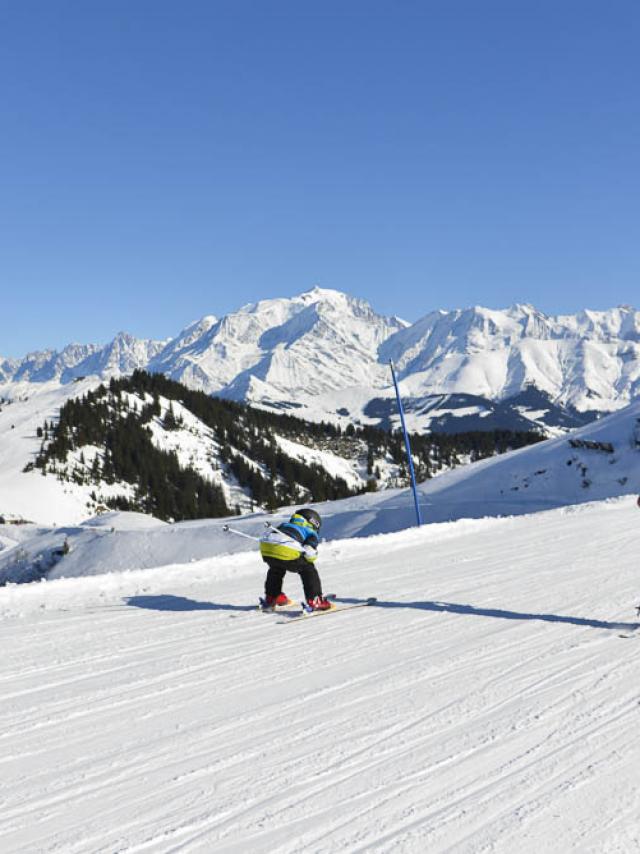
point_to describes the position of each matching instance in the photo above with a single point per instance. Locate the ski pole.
(229, 530)
(271, 527)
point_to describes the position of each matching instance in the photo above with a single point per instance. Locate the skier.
(293, 547)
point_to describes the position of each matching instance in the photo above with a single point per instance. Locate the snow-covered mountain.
(120, 357)
(280, 349)
(588, 361)
(46, 365)
(325, 355)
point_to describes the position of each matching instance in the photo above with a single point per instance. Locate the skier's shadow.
(497, 613)
(166, 602)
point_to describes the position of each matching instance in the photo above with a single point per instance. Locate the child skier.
(293, 547)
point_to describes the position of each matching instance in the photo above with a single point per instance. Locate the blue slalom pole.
(407, 446)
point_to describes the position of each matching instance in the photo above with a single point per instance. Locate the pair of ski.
(306, 613)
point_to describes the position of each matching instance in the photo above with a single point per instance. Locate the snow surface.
(352, 472)
(30, 495)
(485, 704)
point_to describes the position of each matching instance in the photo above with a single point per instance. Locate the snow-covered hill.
(600, 461)
(150, 444)
(68, 488)
(324, 355)
(487, 703)
(32, 496)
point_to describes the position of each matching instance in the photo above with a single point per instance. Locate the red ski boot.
(269, 603)
(319, 604)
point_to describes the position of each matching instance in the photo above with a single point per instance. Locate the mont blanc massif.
(324, 355)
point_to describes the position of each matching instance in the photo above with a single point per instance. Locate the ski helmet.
(312, 517)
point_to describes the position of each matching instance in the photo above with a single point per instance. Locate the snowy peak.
(309, 350)
(590, 360)
(8, 367)
(121, 356)
(313, 342)
(51, 365)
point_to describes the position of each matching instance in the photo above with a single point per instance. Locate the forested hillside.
(148, 443)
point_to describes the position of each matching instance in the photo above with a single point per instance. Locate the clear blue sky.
(164, 160)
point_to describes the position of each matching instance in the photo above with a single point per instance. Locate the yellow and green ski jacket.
(293, 540)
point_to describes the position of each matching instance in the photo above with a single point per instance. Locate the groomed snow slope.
(486, 704)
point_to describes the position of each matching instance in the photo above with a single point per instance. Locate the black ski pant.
(306, 570)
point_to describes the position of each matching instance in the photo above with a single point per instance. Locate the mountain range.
(325, 355)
